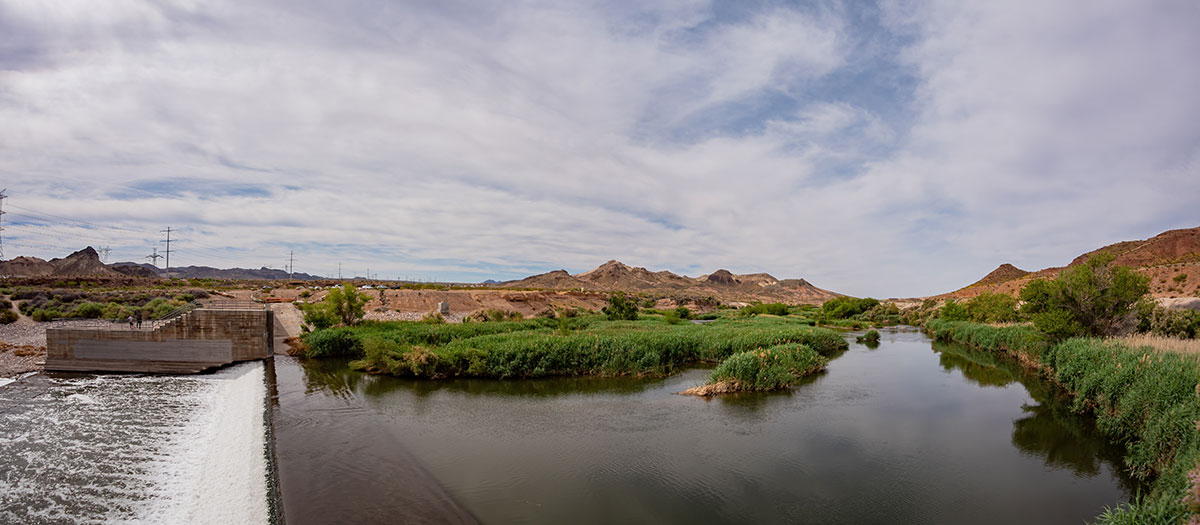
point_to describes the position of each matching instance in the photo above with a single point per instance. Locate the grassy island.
(584, 345)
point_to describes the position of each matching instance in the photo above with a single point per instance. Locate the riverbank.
(1147, 401)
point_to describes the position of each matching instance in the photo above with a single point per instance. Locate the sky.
(890, 149)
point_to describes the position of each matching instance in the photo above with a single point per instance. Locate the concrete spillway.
(159, 449)
(207, 337)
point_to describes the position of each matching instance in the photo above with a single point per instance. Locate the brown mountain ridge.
(721, 284)
(1170, 259)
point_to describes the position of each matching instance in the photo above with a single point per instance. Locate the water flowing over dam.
(119, 448)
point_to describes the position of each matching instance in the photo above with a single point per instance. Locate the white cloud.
(522, 137)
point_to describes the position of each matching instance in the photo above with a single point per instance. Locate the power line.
(60, 217)
(154, 257)
(168, 250)
(2, 197)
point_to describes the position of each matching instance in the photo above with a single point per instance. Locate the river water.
(909, 432)
(135, 448)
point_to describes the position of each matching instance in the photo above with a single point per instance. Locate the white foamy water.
(145, 449)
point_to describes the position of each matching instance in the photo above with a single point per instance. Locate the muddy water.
(909, 432)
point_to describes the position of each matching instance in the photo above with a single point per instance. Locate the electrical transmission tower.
(168, 250)
(154, 257)
(2, 197)
(104, 251)
(291, 263)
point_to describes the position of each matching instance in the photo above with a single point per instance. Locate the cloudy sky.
(891, 149)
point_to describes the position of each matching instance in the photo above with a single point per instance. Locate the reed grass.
(1144, 398)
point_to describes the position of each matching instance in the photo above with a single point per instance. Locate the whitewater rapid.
(145, 449)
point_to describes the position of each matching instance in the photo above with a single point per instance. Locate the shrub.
(8, 316)
(992, 308)
(683, 312)
(953, 311)
(1094, 298)
(88, 310)
(770, 368)
(346, 303)
(42, 315)
(318, 315)
(620, 308)
(779, 309)
(846, 307)
(333, 342)
(871, 337)
(672, 317)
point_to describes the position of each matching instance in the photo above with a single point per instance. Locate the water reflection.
(1050, 429)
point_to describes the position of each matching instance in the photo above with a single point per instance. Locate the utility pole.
(168, 250)
(339, 270)
(2, 197)
(291, 263)
(154, 257)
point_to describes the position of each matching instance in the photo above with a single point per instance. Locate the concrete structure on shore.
(203, 338)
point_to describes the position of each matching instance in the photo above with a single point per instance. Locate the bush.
(779, 309)
(1094, 298)
(683, 312)
(496, 315)
(333, 342)
(620, 308)
(346, 303)
(1183, 324)
(953, 311)
(318, 315)
(847, 307)
(871, 337)
(763, 369)
(992, 308)
(88, 310)
(8, 316)
(672, 317)
(42, 315)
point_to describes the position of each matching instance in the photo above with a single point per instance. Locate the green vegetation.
(1142, 399)
(1095, 298)
(620, 308)
(538, 347)
(768, 308)
(763, 369)
(869, 338)
(341, 305)
(49, 304)
(494, 315)
(992, 308)
(847, 307)
(1182, 324)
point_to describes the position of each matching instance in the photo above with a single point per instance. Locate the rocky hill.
(1170, 259)
(721, 284)
(85, 262)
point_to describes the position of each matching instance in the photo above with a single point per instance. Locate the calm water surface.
(909, 432)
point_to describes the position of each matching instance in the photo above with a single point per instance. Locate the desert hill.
(86, 262)
(721, 284)
(83, 262)
(1171, 259)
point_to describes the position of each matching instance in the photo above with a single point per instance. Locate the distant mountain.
(1170, 259)
(722, 284)
(86, 262)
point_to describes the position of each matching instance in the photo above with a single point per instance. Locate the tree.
(344, 305)
(992, 308)
(1094, 298)
(620, 308)
(953, 311)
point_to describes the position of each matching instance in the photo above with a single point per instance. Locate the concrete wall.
(193, 342)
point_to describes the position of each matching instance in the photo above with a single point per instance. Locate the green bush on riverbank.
(1146, 400)
(535, 348)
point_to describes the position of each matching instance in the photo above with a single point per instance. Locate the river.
(908, 432)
